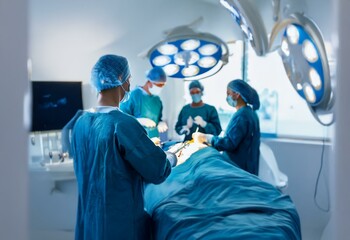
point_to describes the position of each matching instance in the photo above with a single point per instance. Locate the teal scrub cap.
(248, 94)
(106, 72)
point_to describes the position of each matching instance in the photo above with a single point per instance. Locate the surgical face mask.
(126, 95)
(230, 101)
(155, 90)
(196, 98)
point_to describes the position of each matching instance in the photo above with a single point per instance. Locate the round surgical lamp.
(190, 55)
(305, 61)
(248, 18)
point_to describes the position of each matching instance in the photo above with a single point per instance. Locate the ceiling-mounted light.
(292, 34)
(161, 60)
(167, 49)
(306, 64)
(247, 15)
(189, 55)
(309, 51)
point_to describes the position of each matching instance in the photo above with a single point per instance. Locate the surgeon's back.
(112, 158)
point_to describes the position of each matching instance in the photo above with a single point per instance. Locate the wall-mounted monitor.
(54, 103)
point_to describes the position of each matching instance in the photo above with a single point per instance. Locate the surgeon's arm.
(66, 132)
(179, 124)
(213, 124)
(147, 159)
(237, 130)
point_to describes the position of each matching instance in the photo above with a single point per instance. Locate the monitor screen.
(54, 104)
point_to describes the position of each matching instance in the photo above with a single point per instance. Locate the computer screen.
(54, 104)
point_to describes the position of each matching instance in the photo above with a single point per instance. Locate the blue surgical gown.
(242, 140)
(143, 105)
(113, 157)
(207, 112)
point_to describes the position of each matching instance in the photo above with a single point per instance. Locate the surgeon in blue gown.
(113, 157)
(197, 115)
(242, 139)
(145, 103)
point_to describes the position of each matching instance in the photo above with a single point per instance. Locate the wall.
(13, 135)
(301, 161)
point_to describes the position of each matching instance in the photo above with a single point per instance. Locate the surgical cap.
(156, 74)
(248, 94)
(196, 84)
(106, 72)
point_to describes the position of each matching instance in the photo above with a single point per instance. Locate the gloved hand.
(185, 130)
(199, 137)
(156, 141)
(200, 121)
(172, 158)
(162, 127)
(189, 122)
(146, 122)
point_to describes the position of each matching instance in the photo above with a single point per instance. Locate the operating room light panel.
(186, 57)
(302, 63)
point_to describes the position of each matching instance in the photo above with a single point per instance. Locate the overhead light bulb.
(293, 34)
(171, 69)
(208, 49)
(190, 71)
(207, 62)
(299, 86)
(167, 49)
(285, 47)
(309, 93)
(315, 79)
(190, 44)
(161, 60)
(309, 51)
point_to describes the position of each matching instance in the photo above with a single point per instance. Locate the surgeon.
(113, 157)
(197, 115)
(242, 140)
(145, 103)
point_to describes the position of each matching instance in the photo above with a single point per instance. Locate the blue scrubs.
(242, 140)
(207, 112)
(143, 105)
(113, 157)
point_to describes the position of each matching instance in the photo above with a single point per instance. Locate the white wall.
(13, 136)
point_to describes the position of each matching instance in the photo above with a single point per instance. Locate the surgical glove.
(189, 122)
(172, 158)
(200, 121)
(199, 137)
(146, 122)
(156, 141)
(209, 137)
(162, 127)
(185, 130)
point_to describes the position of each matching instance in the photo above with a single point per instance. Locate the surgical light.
(207, 62)
(190, 71)
(315, 79)
(189, 55)
(285, 47)
(247, 15)
(292, 34)
(305, 61)
(185, 58)
(309, 51)
(171, 69)
(161, 60)
(167, 49)
(309, 93)
(208, 49)
(190, 44)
